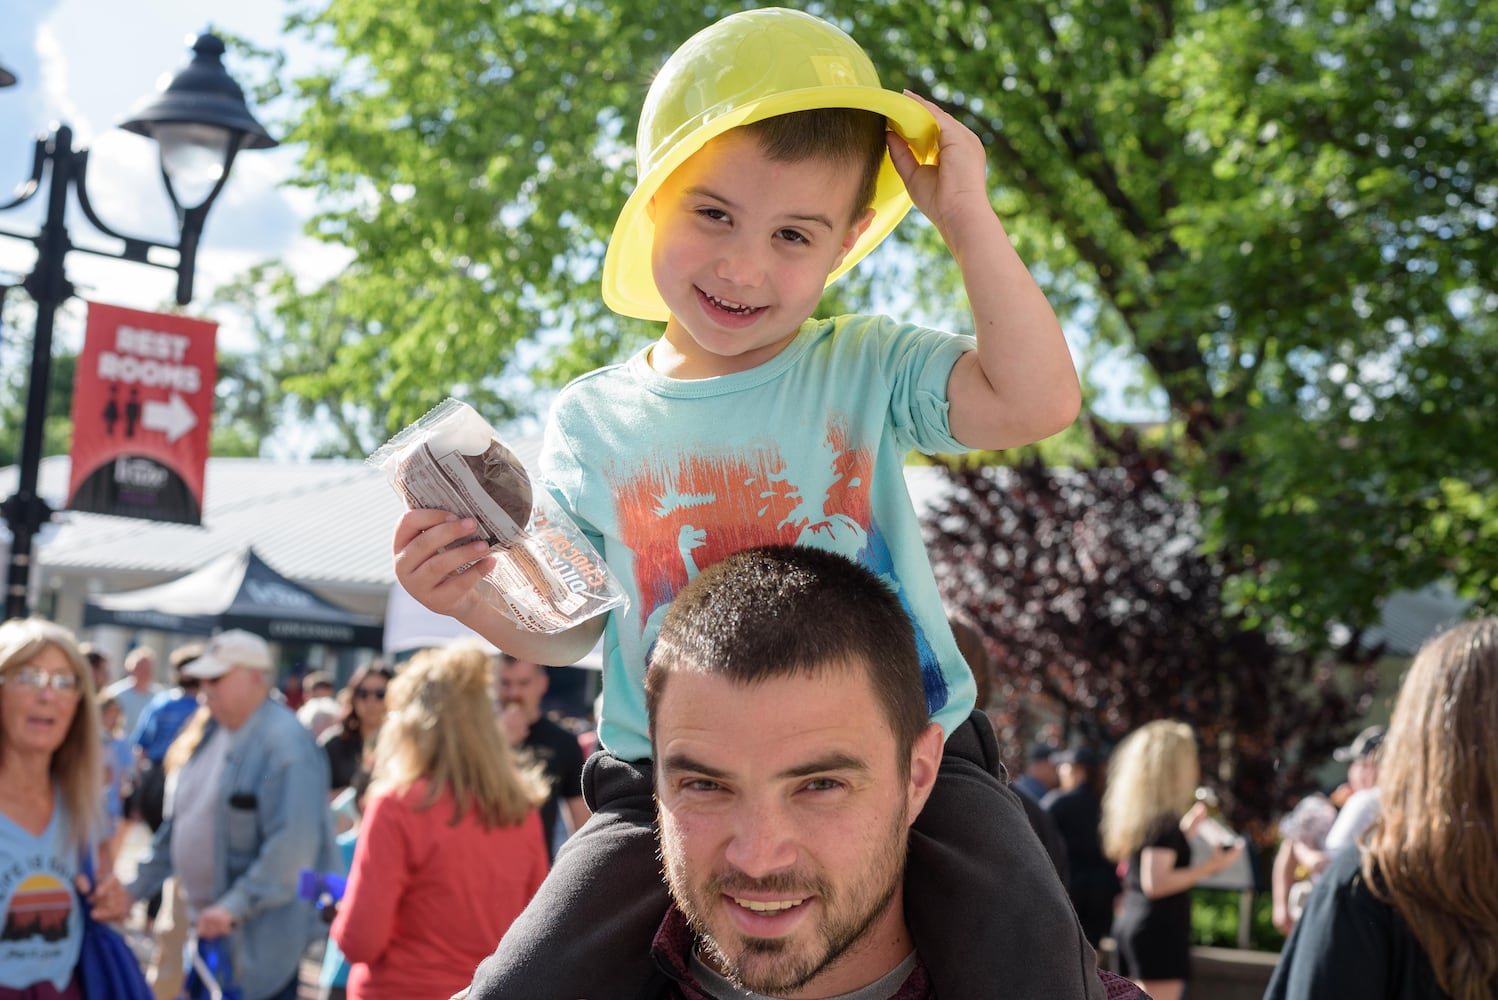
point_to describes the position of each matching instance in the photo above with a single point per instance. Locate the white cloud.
(53, 63)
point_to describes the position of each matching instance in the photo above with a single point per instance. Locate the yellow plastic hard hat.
(749, 66)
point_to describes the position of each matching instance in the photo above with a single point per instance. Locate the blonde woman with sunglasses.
(51, 815)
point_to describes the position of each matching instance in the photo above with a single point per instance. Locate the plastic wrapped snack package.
(547, 576)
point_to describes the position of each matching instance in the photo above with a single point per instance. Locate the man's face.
(1046, 772)
(784, 816)
(142, 669)
(522, 683)
(233, 698)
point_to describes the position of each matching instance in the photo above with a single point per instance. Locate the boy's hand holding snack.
(442, 576)
(479, 544)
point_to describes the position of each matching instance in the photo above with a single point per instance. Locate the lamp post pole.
(200, 110)
(48, 285)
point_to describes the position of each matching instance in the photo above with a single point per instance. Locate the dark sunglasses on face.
(209, 682)
(378, 694)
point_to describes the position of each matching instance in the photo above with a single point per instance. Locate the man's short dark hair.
(846, 135)
(789, 611)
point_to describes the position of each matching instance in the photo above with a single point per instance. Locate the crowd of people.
(241, 802)
(794, 791)
(448, 845)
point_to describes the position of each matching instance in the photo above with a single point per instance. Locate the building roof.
(1407, 618)
(322, 523)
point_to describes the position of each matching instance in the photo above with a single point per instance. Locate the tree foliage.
(1285, 209)
(17, 334)
(473, 157)
(1100, 610)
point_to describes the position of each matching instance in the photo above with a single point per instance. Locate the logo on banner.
(142, 411)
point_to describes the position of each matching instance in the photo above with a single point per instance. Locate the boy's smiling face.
(743, 247)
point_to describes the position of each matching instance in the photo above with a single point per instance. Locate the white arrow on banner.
(174, 417)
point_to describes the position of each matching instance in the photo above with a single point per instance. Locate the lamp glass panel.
(193, 157)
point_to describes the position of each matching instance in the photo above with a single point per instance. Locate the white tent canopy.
(410, 626)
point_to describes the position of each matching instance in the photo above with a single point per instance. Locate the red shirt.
(428, 901)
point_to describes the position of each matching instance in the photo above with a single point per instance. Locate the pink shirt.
(428, 901)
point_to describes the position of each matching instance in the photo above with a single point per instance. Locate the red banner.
(142, 412)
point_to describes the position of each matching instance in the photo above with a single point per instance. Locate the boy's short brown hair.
(845, 135)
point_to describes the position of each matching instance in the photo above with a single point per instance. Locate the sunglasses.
(37, 679)
(214, 681)
(378, 694)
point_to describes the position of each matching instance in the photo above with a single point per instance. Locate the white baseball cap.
(227, 650)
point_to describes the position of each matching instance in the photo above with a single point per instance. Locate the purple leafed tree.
(1101, 611)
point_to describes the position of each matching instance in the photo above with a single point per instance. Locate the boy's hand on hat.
(433, 573)
(949, 191)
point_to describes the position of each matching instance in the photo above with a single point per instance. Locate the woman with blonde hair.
(1149, 815)
(1413, 913)
(51, 810)
(450, 849)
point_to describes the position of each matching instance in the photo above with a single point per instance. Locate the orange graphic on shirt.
(681, 514)
(40, 908)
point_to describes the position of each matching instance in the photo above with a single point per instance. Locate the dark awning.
(237, 590)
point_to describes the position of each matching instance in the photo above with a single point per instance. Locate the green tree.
(16, 338)
(472, 156)
(1285, 210)
(279, 380)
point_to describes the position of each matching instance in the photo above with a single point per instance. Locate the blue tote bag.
(210, 970)
(107, 968)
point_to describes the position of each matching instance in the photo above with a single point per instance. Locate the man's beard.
(843, 924)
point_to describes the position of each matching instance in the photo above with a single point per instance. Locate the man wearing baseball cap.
(1076, 807)
(1361, 807)
(248, 813)
(1362, 746)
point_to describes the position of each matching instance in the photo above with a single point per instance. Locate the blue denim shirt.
(273, 821)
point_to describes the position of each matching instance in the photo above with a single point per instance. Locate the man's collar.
(672, 947)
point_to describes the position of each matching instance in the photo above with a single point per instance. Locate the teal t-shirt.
(667, 476)
(43, 928)
(334, 971)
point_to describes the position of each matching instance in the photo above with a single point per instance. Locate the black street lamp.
(200, 121)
